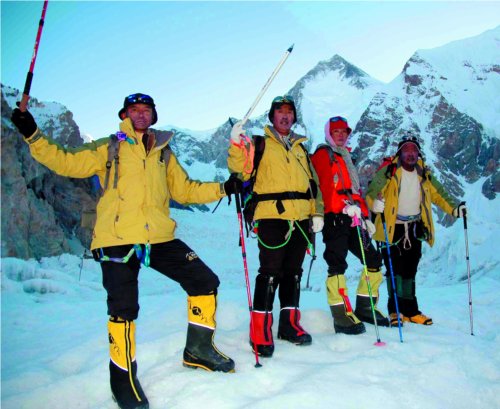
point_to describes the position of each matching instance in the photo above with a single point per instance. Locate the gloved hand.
(352, 210)
(378, 206)
(317, 224)
(460, 210)
(236, 132)
(369, 227)
(24, 122)
(233, 185)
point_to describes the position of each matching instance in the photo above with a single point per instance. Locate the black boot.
(127, 391)
(364, 311)
(125, 387)
(290, 329)
(200, 351)
(346, 322)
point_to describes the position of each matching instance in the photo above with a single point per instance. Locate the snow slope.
(55, 348)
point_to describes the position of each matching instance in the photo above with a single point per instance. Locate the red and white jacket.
(334, 182)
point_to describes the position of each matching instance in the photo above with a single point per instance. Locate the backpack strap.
(166, 152)
(113, 151)
(330, 151)
(260, 144)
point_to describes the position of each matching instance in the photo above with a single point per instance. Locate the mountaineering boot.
(418, 319)
(125, 386)
(261, 333)
(344, 320)
(200, 351)
(363, 306)
(290, 329)
(393, 318)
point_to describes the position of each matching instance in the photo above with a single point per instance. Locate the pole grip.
(26, 93)
(237, 196)
(464, 215)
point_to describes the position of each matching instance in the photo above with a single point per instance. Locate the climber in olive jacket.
(403, 192)
(134, 227)
(389, 187)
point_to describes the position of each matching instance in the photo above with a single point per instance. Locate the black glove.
(233, 185)
(24, 121)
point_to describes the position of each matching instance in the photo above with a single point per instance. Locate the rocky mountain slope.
(447, 97)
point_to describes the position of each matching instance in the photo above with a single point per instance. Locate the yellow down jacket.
(137, 210)
(388, 187)
(280, 170)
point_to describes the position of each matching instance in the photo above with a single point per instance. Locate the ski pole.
(29, 77)
(357, 223)
(266, 85)
(391, 270)
(245, 267)
(468, 269)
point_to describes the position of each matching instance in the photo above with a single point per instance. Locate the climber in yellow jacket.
(287, 198)
(134, 227)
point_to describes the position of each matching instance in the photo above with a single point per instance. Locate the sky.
(205, 61)
(55, 345)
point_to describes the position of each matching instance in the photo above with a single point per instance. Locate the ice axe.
(29, 78)
(267, 84)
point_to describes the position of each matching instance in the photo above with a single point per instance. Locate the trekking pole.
(468, 269)
(267, 84)
(357, 223)
(245, 267)
(29, 78)
(391, 270)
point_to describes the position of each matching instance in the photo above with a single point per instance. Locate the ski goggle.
(285, 99)
(139, 99)
(409, 138)
(338, 118)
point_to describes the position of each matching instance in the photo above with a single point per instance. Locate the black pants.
(339, 238)
(173, 259)
(282, 266)
(405, 256)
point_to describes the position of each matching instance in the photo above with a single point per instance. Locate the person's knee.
(128, 312)
(207, 285)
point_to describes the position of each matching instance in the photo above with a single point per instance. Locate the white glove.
(378, 206)
(317, 224)
(352, 210)
(370, 227)
(236, 132)
(460, 210)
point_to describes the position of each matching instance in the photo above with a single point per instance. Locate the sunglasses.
(409, 138)
(139, 99)
(284, 99)
(338, 118)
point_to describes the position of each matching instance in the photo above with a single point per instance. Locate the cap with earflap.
(138, 98)
(339, 122)
(409, 139)
(278, 102)
(335, 122)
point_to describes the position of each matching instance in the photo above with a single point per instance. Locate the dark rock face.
(457, 144)
(41, 211)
